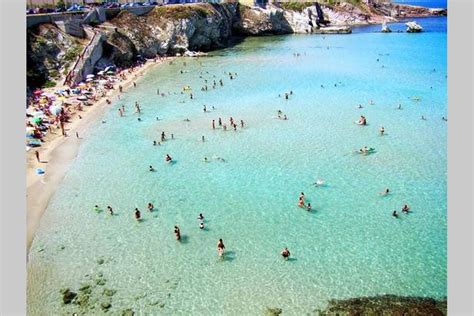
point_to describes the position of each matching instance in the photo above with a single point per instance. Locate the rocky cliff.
(176, 29)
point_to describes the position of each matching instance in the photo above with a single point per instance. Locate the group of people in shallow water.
(405, 210)
(232, 123)
(301, 203)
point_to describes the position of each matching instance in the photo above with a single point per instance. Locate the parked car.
(75, 7)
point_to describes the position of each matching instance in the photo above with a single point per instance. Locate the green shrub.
(54, 73)
(49, 84)
(295, 6)
(71, 54)
(61, 5)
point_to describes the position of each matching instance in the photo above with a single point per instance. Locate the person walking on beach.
(120, 88)
(220, 248)
(134, 84)
(37, 155)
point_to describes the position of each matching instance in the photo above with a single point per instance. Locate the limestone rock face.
(177, 29)
(385, 28)
(413, 27)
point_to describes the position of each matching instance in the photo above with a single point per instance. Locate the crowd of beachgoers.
(49, 110)
(49, 114)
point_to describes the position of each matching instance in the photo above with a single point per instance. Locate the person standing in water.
(177, 233)
(382, 131)
(150, 207)
(220, 121)
(241, 123)
(285, 253)
(213, 124)
(137, 214)
(220, 248)
(111, 212)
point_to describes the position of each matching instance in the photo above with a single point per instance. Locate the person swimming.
(444, 119)
(285, 253)
(395, 214)
(168, 158)
(319, 183)
(151, 168)
(154, 143)
(201, 225)
(423, 118)
(150, 207)
(200, 216)
(405, 209)
(96, 208)
(385, 192)
(308, 207)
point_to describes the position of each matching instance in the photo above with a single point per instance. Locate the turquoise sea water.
(348, 246)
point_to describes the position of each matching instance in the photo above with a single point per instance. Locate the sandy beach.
(57, 152)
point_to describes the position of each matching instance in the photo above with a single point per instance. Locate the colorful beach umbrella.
(55, 110)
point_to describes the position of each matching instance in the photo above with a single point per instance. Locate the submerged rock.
(273, 311)
(68, 296)
(128, 312)
(109, 292)
(105, 305)
(413, 27)
(386, 305)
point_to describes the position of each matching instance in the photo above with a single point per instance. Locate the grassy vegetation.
(54, 73)
(71, 54)
(295, 6)
(49, 84)
(183, 11)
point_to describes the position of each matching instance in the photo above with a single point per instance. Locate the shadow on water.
(184, 239)
(228, 256)
(291, 259)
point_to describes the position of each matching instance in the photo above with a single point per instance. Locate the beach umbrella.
(100, 73)
(55, 110)
(36, 120)
(38, 113)
(82, 98)
(90, 76)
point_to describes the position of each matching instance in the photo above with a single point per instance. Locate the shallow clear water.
(349, 246)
